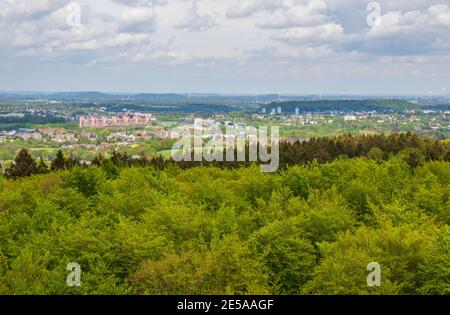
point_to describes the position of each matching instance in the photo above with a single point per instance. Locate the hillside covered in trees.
(289, 107)
(157, 227)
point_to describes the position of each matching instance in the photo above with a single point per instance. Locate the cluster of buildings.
(22, 133)
(115, 120)
(58, 135)
(162, 133)
(52, 135)
(308, 120)
(277, 111)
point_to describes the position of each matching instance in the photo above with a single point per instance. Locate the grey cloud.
(50, 37)
(422, 29)
(408, 33)
(17, 11)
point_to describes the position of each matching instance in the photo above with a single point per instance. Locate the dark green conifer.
(24, 165)
(59, 162)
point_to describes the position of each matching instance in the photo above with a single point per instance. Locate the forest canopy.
(311, 228)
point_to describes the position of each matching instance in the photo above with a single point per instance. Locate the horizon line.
(293, 94)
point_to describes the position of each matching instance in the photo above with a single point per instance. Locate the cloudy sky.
(226, 46)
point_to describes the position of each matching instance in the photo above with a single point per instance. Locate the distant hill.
(178, 108)
(159, 97)
(440, 107)
(63, 96)
(80, 96)
(341, 105)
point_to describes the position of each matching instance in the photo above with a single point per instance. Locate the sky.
(226, 46)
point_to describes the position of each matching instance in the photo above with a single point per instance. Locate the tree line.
(32, 119)
(415, 150)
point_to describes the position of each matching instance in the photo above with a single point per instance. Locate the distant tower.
(264, 111)
(279, 111)
(273, 111)
(297, 111)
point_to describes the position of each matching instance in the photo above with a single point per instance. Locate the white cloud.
(141, 3)
(440, 14)
(396, 23)
(311, 14)
(246, 8)
(137, 20)
(329, 32)
(194, 21)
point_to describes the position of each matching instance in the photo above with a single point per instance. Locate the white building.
(349, 118)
